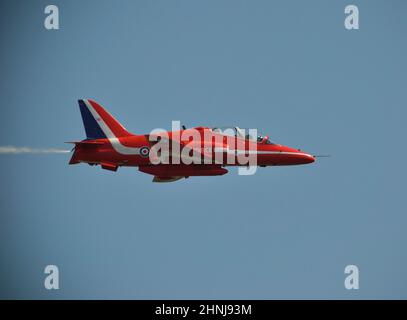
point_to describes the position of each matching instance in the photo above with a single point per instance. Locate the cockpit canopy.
(242, 133)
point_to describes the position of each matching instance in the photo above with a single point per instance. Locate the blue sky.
(288, 68)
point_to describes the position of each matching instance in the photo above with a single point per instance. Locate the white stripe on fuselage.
(229, 151)
(115, 142)
(274, 152)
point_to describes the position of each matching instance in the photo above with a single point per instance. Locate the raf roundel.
(144, 151)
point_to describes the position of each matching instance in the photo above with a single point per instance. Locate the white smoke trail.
(22, 150)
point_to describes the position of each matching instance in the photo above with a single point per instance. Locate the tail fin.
(98, 122)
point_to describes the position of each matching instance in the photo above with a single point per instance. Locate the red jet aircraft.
(110, 145)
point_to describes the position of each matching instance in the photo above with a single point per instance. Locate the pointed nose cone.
(307, 158)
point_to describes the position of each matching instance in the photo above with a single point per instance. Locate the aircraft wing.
(199, 153)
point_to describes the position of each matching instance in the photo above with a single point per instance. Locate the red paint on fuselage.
(280, 155)
(118, 147)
